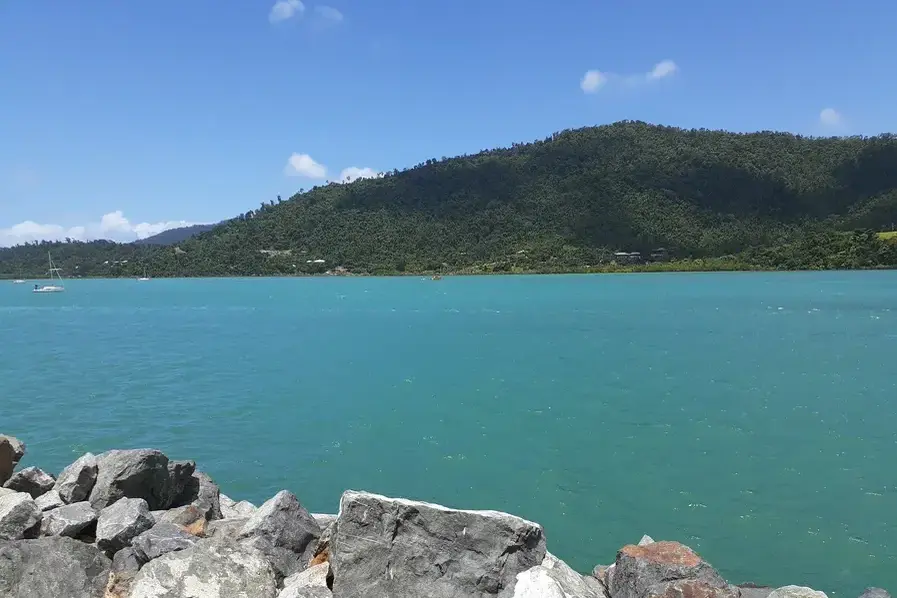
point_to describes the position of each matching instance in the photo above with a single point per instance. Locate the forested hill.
(175, 235)
(572, 199)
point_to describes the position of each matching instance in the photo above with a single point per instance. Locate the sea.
(751, 416)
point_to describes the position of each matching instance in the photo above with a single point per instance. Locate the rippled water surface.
(751, 416)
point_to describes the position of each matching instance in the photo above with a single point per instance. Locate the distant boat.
(436, 277)
(143, 278)
(18, 281)
(51, 288)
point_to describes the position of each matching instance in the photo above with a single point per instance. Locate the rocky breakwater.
(135, 524)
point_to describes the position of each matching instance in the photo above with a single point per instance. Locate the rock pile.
(134, 524)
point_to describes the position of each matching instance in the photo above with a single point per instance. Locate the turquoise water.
(751, 416)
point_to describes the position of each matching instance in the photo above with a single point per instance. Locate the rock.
(77, 480)
(553, 578)
(202, 492)
(31, 480)
(6, 491)
(225, 529)
(127, 560)
(321, 553)
(646, 539)
(19, 517)
(796, 592)
(161, 539)
(638, 568)
(50, 500)
(691, 588)
(401, 548)
(297, 592)
(180, 473)
(231, 509)
(875, 593)
(140, 473)
(54, 567)
(209, 570)
(121, 522)
(11, 452)
(600, 573)
(311, 577)
(324, 521)
(69, 520)
(284, 531)
(754, 591)
(189, 517)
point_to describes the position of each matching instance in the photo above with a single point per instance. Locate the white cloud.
(304, 165)
(285, 9)
(831, 117)
(353, 173)
(664, 68)
(113, 226)
(595, 80)
(592, 81)
(329, 13)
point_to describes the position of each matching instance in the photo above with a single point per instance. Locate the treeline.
(565, 203)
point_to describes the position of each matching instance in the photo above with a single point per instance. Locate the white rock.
(796, 592)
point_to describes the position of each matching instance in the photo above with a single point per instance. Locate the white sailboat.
(144, 278)
(18, 281)
(51, 288)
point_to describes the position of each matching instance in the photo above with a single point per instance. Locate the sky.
(121, 119)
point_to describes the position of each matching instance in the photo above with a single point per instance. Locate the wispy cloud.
(831, 118)
(303, 165)
(329, 13)
(594, 80)
(285, 9)
(113, 226)
(354, 173)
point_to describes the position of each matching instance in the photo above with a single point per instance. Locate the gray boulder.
(553, 578)
(875, 593)
(231, 509)
(50, 500)
(121, 522)
(284, 531)
(161, 539)
(313, 576)
(646, 539)
(31, 480)
(139, 473)
(226, 529)
(796, 592)
(210, 570)
(125, 565)
(324, 520)
(180, 473)
(300, 592)
(202, 492)
(77, 480)
(405, 549)
(639, 568)
(54, 567)
(19, 517)
(69, 520)
(11, 452)
(189, 517)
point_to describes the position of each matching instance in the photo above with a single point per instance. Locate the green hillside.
(772, 200)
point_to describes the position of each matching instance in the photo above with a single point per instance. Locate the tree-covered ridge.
(562, 203)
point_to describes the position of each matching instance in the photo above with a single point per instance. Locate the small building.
(660, 255)
(628, 257)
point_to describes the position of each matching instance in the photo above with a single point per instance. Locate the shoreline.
(461, 274)
(135, 524)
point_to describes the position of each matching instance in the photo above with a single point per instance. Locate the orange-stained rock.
(638, 569)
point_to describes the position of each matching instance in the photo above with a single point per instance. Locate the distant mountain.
(176, 235)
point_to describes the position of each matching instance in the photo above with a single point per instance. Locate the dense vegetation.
(714, 199)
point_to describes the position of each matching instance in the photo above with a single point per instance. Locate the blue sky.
(121, 118)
